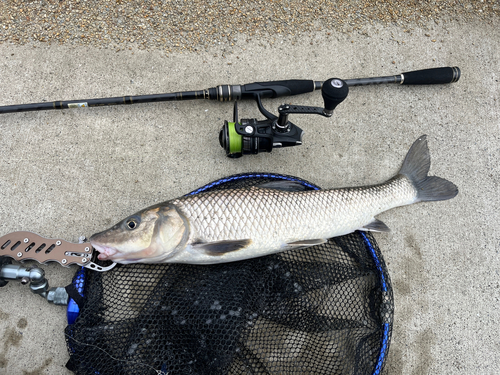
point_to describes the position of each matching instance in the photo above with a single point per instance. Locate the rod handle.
(431, 76)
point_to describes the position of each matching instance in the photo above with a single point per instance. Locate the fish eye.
(132, 224)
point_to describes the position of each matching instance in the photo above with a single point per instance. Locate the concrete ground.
(75, 172)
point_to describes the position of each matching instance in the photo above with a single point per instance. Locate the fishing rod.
(251, 136)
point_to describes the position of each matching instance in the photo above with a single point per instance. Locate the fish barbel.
(235, 224)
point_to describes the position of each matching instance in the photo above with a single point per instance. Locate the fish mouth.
(106, 252)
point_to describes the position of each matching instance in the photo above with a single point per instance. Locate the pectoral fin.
(222, 247)
(305, 243)
(375, 226)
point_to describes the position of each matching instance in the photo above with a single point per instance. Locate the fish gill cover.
(326, 309)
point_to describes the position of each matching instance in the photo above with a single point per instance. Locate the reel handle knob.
(334, 91)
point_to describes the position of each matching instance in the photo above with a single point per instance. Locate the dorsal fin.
(283, 185)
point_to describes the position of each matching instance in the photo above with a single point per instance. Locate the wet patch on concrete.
(412, 285)
(40, 370)
(3, 361)
(409, 285)
(394, 365)
(401, 288)
(22, 323)
(12, 337)
(413, 244)
(423, 343)
(4, 315)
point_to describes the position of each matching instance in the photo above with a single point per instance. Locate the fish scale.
(235, 224)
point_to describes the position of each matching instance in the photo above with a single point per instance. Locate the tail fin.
(416, 166)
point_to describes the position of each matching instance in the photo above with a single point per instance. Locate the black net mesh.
(322, 310)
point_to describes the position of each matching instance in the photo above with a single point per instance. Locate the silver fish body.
(235, 224)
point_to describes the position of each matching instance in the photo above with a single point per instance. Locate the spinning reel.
(251, 136)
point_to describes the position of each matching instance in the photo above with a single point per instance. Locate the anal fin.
(375, 226)
(305, 243)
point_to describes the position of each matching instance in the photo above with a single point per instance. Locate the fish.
(236, 224)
